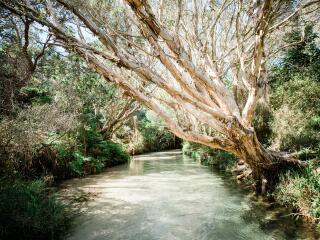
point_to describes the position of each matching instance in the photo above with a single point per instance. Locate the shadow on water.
(270, 216)
(166, 196)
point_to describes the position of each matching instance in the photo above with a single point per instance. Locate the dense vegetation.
(76, 94)
(295, 97)
(62, 108)
(295, 121)
(58, 120)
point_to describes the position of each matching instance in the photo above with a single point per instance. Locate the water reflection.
(167, 196)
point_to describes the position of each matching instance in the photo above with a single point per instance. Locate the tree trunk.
(266, 165)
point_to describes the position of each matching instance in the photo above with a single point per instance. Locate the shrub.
(37, 95)
(28, 211)
(102, 154)
(24, 139)
(155, 138)
(296, 122)
(150, 134)
(112, 153)
(295, 96)
(209, 156)
(77, 165)
(301, 191)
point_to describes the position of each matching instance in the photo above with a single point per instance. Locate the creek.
(166, 195)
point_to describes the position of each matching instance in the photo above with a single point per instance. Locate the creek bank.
(297, 191)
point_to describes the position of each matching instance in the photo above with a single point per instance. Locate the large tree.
(200, 65)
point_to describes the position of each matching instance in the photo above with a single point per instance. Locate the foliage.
(84, 151)
(155, 138)
(21, 51)
(208, 156)
(29, 211)
(105, 154)
(262, 120)
(301, 190)
(45, 140)
(24, 140)
(56, 130)
(35, 94)
(92, 153)
(293, 130)
(147, 134)
(73, 83)
(295, 97)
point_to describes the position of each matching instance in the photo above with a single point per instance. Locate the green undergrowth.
(104, 154)
(30, 211)
(80, 151)
(208, 156)
(301, 191)
(149, 135)
(90, 157)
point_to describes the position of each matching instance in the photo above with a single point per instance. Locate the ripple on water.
(167, 196)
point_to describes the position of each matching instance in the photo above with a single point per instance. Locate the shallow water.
(169, 196)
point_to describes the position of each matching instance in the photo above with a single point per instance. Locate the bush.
(209, 156)
(112, 153)
(300, 191)
(54, 148)
(104, 154)
(156, 138)
(35, 95)
(28, 211)
(81, 165)
(92, 153)
(296, 122)
(295, 96)
(148, 135)
(25, 139)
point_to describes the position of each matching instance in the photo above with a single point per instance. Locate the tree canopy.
(200, 65)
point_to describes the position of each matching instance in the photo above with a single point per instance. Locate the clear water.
(169, 196)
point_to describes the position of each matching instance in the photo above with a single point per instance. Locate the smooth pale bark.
(117, 121)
